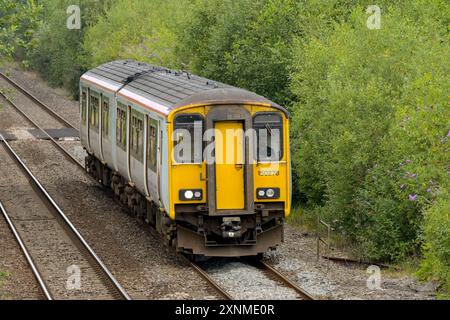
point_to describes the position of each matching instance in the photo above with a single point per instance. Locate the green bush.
(212, 29)
(142, 30)
(436, 265)
(18, 23)
(244, 43)
(58, 52)
(358, 89)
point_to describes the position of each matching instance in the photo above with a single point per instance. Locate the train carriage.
(206, 163)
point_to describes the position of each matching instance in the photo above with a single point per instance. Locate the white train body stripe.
(144, 101)
(101, 83)
(128, 94)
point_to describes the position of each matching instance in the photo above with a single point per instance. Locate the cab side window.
(269, 136)
(188, 138)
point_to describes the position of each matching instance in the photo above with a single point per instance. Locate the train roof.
(165, 90)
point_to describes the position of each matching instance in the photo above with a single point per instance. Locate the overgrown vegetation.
(370, 116)
(19, 21)
(58, 51)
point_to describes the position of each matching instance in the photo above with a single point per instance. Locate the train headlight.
(191, 194)
(268, 193)
(188, 194)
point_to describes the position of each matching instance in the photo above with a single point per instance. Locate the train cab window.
(269, 136)
(188, 138)
(152, 150)
(137, 135)
(94, 112)
(121, 126)
(83, 105)
(105, 116)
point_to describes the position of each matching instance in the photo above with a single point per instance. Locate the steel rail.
(68, 223)
(37, 101)
(305, 295)
(27, 255)
(210, 280)
(61, 148)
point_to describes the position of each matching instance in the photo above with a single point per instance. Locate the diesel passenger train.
(206, 163)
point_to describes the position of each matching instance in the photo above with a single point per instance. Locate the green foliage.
(213, 28)
(142, 30)
(370, 100)
(259, 60)
(18, 23)
(58, 52)
(436, 265)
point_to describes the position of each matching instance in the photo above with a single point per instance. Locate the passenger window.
(105, 116)
(93, 112)
(188, 138)
(152, 152)
(83, 106)
(121, 126)
(137, 136)
(269, 136)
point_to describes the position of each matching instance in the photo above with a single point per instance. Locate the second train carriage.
(134, 116)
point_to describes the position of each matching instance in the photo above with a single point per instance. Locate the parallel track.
(37, 101)
(106, 276)
(64, 151)
(27, 255)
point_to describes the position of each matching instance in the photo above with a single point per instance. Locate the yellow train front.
(206, 163)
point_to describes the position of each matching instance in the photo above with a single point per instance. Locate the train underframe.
(194, 231)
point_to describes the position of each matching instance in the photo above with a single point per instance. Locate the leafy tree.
(18, 22)
(58, 52)
(141, 30)
(354, 86)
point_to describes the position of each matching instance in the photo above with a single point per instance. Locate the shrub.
(58, 51)
(18, 22)
(143, 30)
(369, 100)
(436, 265)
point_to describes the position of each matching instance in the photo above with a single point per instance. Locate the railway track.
(63, 150)
(220, 289)
(49, 241)
(45, 107)
(269, 278)
(278, 276)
